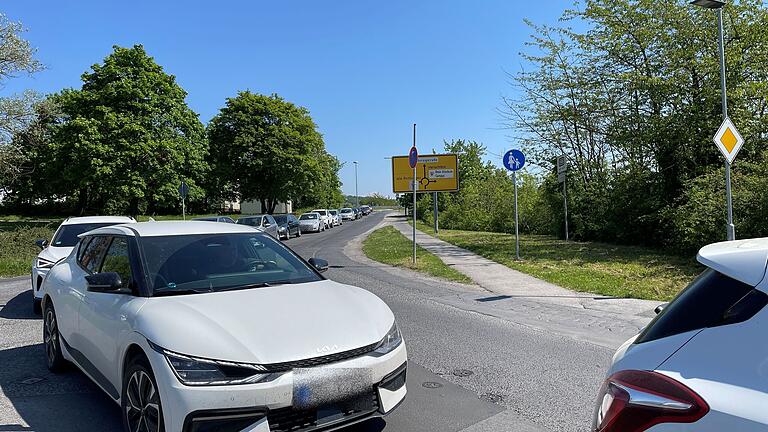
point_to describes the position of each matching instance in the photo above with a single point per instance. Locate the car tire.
(140, 402)
(37, 307)
(52, 340)
(298, 233)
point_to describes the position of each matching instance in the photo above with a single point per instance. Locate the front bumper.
(269, 407)
(38, 275)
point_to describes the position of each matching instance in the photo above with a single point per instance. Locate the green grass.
(386, 245)
(607, 269)
(17, 244)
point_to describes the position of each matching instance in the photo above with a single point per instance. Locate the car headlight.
(391, 341)
(43, 263)
(196, 371)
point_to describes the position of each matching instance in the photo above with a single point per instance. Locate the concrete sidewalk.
(508, 283)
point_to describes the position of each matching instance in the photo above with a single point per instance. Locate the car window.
(711, 300)
(308, 216)
(249, 221)
(67, 235)
(117, 260)
(211, 262)
(270, 219)
(91, 257)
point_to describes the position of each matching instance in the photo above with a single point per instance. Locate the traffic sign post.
(183, 191)
(413, 159)
(562, 169)
(513, 161)
(729, 141)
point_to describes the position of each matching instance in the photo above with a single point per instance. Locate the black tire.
(37, 307)
(141, 408)
(52, 340)
(298, 233)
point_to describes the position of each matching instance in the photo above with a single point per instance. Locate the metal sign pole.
(414, 198)
(434, 197)
(517, 232)
(565, 207)
(183, 210)
(730, 230)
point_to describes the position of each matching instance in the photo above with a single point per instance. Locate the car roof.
(165, 228)
(98, 219)
(743, 260)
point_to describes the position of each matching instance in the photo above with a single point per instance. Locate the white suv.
(325, 216)
(702, 363)
(61, 245)
(197, 326)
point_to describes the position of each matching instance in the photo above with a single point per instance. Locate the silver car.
(266, 223)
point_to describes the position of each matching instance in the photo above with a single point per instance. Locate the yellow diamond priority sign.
(728, 140)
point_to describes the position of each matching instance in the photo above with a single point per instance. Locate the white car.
(347, 214)
(335, 217)
(702, 364)
(64, 239)
(197, 326)
(311, 222)
(326, 217)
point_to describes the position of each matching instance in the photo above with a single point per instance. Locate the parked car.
(325, 216)
(184, 325)
(61, 244)
(701, 364)
(335, 217)
(347, 214)
(311, 222)
(287, 226)
(358, 213)
(366, 210)
(265, 223)
(225, 219)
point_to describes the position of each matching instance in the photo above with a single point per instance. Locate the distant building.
(254, 207)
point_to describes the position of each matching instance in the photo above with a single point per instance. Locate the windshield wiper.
(257, 285)
(180, 292)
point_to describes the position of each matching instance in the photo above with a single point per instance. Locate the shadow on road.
(19, 307)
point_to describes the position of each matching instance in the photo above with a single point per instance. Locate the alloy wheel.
(51, 336)
(142, 410)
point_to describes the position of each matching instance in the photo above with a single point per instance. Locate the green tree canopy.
(126, 139)
(268, 149)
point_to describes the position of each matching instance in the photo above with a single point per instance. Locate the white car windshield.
(308, 217)
(215, 262)
(67, 235)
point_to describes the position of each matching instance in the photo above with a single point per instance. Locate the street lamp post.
(357, 196)
(717, 5)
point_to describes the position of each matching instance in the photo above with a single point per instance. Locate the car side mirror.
(660, 308)
(41, 243)
(104, 282)
(319, 264)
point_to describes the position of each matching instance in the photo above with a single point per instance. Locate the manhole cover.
(431, 385)
(30, 381)
(491, 397)
(463, 372)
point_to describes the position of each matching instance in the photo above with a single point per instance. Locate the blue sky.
(366, 70)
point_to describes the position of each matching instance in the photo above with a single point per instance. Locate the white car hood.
(267, 325)
(54, 254)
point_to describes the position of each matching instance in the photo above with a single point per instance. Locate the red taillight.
(633, 401)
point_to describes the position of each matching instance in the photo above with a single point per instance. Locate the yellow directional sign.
(728, 140)
(434, 173)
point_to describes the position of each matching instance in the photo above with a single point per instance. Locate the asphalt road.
(469, 370)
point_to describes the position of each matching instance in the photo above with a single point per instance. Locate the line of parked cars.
(198, 326)
(285, 226)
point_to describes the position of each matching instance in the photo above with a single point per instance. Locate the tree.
(267, 149)
(126, 139)
(630, 96)
(16, 112)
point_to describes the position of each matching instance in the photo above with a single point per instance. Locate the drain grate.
(463, 373)
(491, 397)
(431, 385)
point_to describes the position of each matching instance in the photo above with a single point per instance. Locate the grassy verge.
(17, 245)
(614, 270)
(386, 245)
